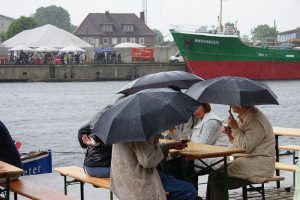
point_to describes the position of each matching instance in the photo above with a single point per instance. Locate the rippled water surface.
(48, 115)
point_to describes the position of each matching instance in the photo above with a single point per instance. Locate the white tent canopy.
(72, 49)
(21, 48)
(129, 45)
(48, 35)
(46, 48)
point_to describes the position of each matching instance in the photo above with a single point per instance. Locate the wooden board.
(36, 191)
(7, 170)
(285, 166)
(79, 174)
(290, 147)
(281, 131)
(199, 151)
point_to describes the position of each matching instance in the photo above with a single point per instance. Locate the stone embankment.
(86, 72)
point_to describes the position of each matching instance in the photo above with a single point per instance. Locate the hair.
(206, 107)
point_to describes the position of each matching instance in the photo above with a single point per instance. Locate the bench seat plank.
(290, 147)
(79, 174)
(274, 178)
(285, 166)
(35, 191)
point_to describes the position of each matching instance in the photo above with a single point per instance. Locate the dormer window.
(128, 28)
(107, 28)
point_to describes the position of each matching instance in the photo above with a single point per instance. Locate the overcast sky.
(162, 14)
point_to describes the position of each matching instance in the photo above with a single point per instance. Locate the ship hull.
(267, 70)
(210, 56)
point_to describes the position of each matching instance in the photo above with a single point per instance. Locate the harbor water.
(45, 115)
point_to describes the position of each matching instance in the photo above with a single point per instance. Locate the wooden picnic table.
(289, 132)
(8, 171)
(201, 151)
(282, 131)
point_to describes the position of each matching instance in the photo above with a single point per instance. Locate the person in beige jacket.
(254, 133)
(134, 175)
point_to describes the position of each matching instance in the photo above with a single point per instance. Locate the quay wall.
(92, 72)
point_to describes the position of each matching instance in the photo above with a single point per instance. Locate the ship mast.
(220, 18)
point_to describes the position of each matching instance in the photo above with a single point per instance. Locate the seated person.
(134, 175)
(8, 150)
(98, 155)
(204, 128)
(254, 133)
(208, 131)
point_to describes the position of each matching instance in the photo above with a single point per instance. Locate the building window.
(141, 40)
(123, 40)
(107, 28)
(114, 41)
(91, 40)
(105, 41)
(128, 28)
(132, 40)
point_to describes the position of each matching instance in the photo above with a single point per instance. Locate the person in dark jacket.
(98, 155)
(8, 150)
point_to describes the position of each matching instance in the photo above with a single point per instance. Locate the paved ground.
(271, 194)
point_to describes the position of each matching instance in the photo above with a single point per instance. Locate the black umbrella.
(143, 115)
(232, 91)
(172, 79)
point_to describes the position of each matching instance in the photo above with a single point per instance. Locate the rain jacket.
(255, 135)
(133, 171)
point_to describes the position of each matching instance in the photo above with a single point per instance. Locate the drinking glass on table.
(226, 128)
(185, 137)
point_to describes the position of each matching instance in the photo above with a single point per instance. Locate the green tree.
(263, 31)
(54, 15)
(2, 37)
(159, 38)
(19, 25)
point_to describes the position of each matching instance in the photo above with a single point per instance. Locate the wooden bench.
(289, 132)
(285, 166)
(79, 176)
(260, 189)
(34, 191)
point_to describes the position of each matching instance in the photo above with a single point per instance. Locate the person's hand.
(178, 145)
(87, 140)
(232, 122)
(227, 130)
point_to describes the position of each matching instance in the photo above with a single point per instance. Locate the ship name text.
(207, 41)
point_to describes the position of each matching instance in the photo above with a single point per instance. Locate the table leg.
(226, 178)
(7, 189)
(277, 159)
(65, 186)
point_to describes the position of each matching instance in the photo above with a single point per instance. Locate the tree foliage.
(54, 15)
(264, 31)
(159, 38)
(19, 25)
